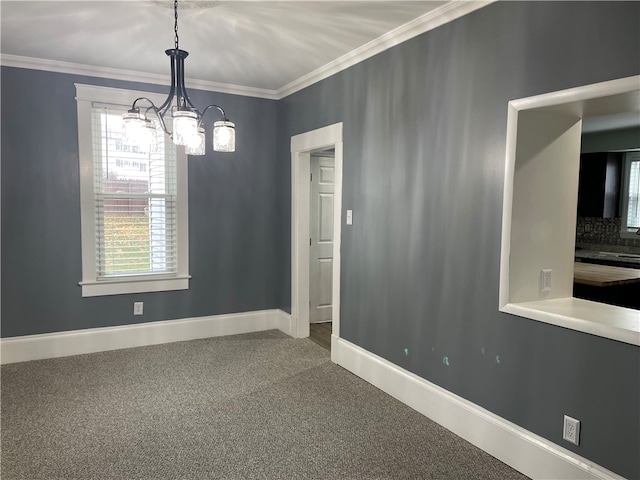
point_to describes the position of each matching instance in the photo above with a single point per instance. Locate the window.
(631, 195)
(539, 209)
(133, 208)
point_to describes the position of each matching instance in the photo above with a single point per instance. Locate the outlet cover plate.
(138, 308)
(571, 430)
(545, 280)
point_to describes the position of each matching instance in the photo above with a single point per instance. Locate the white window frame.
(625, 231)
(86, 95)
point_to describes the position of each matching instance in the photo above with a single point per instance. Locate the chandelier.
(187, 126)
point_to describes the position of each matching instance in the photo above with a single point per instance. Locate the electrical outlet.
(545, 280)
(571, 430)
(138, 308)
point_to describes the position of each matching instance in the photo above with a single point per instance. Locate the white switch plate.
(138, 308)
(349, 217)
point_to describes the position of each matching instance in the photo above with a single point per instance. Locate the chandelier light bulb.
(185, 126)
(133, 127)
(224, 136)
(196, 145)
(149, 140)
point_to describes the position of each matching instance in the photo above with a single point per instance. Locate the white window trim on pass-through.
(86, 95)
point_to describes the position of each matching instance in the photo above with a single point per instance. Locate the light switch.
(349, 217)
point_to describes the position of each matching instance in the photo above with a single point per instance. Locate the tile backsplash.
(603, 234)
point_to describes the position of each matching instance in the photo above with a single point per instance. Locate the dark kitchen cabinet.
(599, 184)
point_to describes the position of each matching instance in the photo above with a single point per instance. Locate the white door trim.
(301, 147)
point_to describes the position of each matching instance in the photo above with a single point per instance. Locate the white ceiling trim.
(430, 20)
(128, 75)
(433, 19)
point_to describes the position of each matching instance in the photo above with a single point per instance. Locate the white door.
(321, 241)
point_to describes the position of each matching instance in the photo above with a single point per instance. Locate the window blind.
(135, 201)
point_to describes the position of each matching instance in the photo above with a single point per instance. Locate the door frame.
(302, 146)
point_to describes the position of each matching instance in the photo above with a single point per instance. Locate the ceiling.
(257, 44)
(615, 121)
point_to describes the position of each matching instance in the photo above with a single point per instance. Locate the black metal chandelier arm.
(183, 97)
(160, 119)
(224, 117)
(156, 110)
(134, 106)
(166, 105)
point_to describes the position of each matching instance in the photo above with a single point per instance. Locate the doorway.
(324, 288)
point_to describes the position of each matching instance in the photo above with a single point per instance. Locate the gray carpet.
(256, 406)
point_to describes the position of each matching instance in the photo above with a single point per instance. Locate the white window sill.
(141, 284)
(608, 321)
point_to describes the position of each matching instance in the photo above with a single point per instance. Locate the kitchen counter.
(595, 256)
(604, 275)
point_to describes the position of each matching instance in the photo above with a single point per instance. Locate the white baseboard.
(525, 451)
(76, 342)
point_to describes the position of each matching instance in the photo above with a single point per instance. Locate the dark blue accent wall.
(232, 214)
(424, 155)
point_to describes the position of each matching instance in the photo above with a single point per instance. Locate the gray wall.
(232, 214)
(424, 153)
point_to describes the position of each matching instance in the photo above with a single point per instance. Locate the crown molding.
(430, 20)
(435, 18)
(57, 66)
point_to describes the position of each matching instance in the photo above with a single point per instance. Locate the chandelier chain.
(175, 25)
